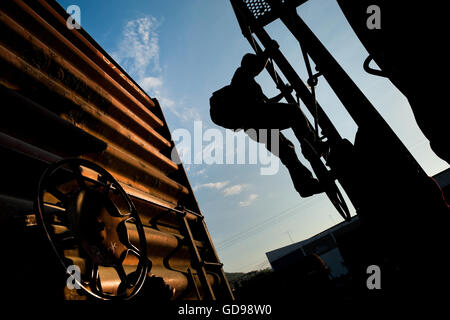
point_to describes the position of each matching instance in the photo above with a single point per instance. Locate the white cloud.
(190, 114)
(138, 53)
(212, 185)
(201, 172)
(154, 86)
(151, 83)
(167, 102)
(233, 190)
(249, 201)
(139, 47)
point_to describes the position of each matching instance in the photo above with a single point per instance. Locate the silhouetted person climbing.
(243, 105)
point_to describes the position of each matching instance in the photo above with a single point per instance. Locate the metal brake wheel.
(87, 216)
(326, 179)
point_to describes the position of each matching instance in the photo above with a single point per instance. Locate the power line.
(256, 226)
(254, 230)
(274, 219)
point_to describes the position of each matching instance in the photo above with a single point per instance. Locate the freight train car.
(92, 206)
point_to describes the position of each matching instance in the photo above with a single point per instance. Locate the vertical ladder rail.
(286, 69)
(216, 257)
(353, 99)
(215, 265)
(191, 277)
(198, 258)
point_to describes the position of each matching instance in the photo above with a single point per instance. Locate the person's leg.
(298, 121)
(279, 116)
(282, 116)
(304, 182)
(276, 116)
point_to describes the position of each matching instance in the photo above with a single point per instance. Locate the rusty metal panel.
(83, 104)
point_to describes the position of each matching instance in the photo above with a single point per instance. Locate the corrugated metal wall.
(63, 96)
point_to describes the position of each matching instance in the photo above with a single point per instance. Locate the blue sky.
(180, 51)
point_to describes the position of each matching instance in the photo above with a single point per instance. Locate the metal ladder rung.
(213, 264)
(203, 265)
(198, 257)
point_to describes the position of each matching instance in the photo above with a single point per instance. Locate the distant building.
(323, 244)
(443, 179)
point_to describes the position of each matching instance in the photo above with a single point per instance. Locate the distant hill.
(236, 279)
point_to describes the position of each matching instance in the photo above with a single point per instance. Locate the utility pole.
(288, 233)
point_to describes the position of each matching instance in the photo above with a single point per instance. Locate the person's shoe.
(305, 184)
(308, 187)
(322, 148)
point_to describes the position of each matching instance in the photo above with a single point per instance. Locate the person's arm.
(272, 47)
(265, 55)
(278, 97)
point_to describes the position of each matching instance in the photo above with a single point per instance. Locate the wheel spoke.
(107, 188)
(122, 275)
(93, 280)
(133, 250)
(112, 210)
(78, 175)
(122, 233)
(59, 207)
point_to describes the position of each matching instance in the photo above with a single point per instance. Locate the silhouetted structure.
(393, 196)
